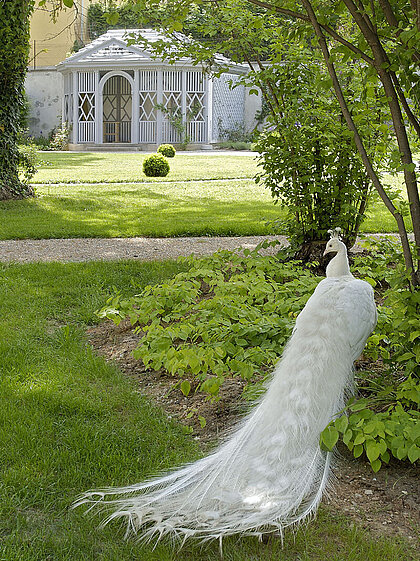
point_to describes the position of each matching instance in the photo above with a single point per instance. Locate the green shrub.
(156, 165)
(28, 163)
(167, 150)
(230, 145)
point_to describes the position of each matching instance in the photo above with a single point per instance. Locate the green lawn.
(192, 201)
(96, 167)
(70, 422)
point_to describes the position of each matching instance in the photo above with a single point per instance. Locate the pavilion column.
(98, 111)
(184, 102)
(135, 111)
(209, 110)
(63, 99)
(75, 108)
(159, 99)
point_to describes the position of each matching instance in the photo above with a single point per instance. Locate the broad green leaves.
(228, 316)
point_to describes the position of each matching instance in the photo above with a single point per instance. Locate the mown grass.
(114, 167)
(211, 208)
(198, 203)
(70, 422)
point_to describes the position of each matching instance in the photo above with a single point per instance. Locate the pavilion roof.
(111, 50)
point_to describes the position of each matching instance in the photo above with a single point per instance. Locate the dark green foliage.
(14, 49)
(156, 165)
(97, 21)
(227, 316)
(28, 161)
(167, 150)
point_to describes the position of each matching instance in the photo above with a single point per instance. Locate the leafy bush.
(167, 150)
(230, 315)
(236, 133)
(227, 316)
(27, 162)
(156, 165)
(60, 137)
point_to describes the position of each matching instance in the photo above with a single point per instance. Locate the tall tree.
(14, 47)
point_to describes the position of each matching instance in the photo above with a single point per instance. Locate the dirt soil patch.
(386, 503)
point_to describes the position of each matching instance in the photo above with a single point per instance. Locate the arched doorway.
(117, 109)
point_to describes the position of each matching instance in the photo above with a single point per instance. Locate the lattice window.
(86, 106)
(172, 100)
(195, 106)
(147, 104)
(228, 105)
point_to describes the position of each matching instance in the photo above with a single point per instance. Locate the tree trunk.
(14, 50)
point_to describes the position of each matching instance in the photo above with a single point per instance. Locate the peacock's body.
(271, 472)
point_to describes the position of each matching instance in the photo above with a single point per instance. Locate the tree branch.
(326, 28)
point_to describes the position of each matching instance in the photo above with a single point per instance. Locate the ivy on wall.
(14, 51)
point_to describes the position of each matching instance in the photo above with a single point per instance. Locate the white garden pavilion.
(117, 94)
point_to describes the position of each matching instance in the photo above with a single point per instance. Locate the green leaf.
(341, 423)
(347, 436)
(376, 465)
(68, 3)
(360, 438)
(112, 18)
(413, 453)
(358, 450)
(405, 356)
(373, 450)
(329, 437)
(185, 387)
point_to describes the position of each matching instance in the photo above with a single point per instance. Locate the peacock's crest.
(335, 233)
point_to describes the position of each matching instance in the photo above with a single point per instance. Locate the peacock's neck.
(339, 265)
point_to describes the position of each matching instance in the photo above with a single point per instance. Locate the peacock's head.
(335, 244)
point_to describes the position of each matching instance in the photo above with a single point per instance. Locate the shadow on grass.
(55, 160)
(142, 212)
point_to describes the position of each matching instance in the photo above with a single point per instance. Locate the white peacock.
(270, 473)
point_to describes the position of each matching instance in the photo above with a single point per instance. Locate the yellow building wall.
(52, 41)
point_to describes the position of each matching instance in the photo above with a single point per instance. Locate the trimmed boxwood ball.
(167, 150)
(156, 165)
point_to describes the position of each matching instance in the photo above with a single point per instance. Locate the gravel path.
(146, 249)
(110, 249)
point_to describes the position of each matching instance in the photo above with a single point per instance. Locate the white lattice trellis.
(147, 102)
(172, 102)
(228, 105)
(86, 106)
(195, 106)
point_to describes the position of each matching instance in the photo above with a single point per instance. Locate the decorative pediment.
(114, 50)
(109, 47)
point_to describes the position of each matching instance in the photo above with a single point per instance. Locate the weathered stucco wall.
(44, 89)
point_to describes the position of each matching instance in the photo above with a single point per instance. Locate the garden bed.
(387, 503)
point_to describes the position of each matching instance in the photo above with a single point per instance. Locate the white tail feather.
(270, 473)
